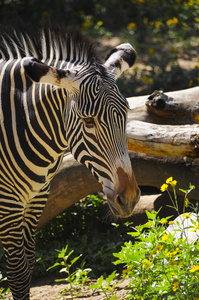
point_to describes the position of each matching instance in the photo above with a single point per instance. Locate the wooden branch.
(182, 140)
(177, 108)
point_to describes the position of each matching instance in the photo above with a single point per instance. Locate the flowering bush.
(159, 266)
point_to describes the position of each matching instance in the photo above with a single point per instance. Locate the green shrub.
(159, 266)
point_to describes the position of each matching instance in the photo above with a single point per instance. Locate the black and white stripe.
(54, 94)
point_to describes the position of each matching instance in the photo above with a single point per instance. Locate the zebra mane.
(51, 44)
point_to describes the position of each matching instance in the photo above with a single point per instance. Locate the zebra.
(56, 94)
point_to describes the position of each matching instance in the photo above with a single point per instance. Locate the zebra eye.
(89, 122)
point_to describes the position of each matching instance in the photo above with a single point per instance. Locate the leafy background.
(164, 34)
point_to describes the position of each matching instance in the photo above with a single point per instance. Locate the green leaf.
(111, 277)
(55, 265)
(134, 233)
(75, 259)
(151, 216)
(62, 279)
(184, 191)
(100, 280)
(93, 286)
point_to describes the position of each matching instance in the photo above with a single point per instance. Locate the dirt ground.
(48, 289)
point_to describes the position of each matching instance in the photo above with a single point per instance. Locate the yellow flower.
(131, 25)
(171, 181)
(194, 269)
(169, 22)
(146, 264)
(151, 50)
(100, 23)
(147, 80)
(86, 22)
(158, 24)
(175, 285)
(174, 182)
(190, 83)
(164, 187)
(186, 202)
(196, 228)
(45, 13)
(163, 221)
(186, 216)
(174, 263)
(149, 224)
(175, 20)
(157, 249)
(170, 254)
(171, 223)
(172, 21)
(124, 272)
(165, 237)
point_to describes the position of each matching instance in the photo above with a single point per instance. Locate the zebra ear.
(39, 72)
(120, 59)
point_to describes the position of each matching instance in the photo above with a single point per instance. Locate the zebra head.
(96, 116)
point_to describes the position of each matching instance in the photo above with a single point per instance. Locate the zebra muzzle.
(125, 196)
(123, 207)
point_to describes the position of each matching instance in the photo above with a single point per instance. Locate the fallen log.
(165, 124)
(179, 140)
(174, 108)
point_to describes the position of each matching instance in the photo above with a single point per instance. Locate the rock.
(185, 226)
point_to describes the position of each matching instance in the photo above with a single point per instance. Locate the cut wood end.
(195, 114)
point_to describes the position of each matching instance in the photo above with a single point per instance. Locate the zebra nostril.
(119, 201)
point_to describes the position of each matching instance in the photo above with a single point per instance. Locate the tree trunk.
(174, 108)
